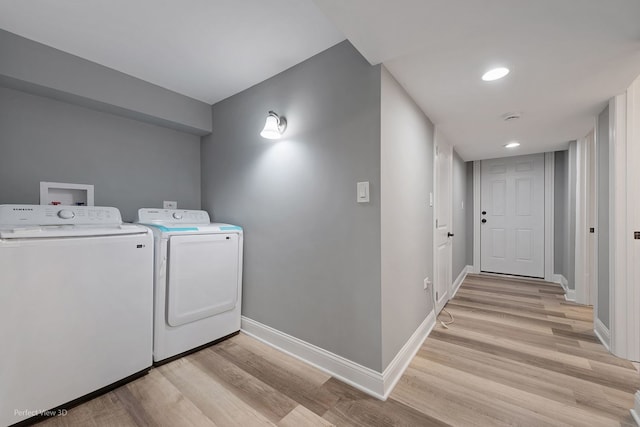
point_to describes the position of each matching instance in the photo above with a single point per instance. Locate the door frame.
(548, 215)
(440, 138)
(584, 194)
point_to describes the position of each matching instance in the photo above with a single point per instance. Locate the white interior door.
(592, 211)
(443, 229)
(585, 273)
(512, 215)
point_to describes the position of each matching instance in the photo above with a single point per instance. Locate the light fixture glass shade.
(495, 74)
(274, 126)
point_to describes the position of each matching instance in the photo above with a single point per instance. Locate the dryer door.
(203, 276)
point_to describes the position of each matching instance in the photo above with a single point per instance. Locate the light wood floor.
(517, 354)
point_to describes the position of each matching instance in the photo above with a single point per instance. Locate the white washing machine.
(76, 305)
(198, 280)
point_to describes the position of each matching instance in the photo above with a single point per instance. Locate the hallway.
(517, 354)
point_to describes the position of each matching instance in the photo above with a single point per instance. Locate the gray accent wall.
(407, 138)
(561, 213)
(312, 254)
(42, 70)
(131, 164)
(571, 220)
(460, 208)
(469, 212)
(602, 158)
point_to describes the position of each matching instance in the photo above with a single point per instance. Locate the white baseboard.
(374, 383)
(354, 374)
(399, 364)
(560, 279)
(603, 334)
(463, 274)
(635, 412)
(569, 294)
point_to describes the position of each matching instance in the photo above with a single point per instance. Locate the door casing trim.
(549, 160)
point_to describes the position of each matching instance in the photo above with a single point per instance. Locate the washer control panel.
(172, 216)
(58, 215)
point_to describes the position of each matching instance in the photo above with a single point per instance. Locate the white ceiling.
(205, 49)
(566, 57)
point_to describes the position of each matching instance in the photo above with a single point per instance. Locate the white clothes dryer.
(197, 280)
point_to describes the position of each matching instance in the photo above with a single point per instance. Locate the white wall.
(406, 219)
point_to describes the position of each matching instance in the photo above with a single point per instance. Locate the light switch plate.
(169, 204)
(363, 192)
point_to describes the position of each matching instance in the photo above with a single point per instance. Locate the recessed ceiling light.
(512, 144)
(495, 74)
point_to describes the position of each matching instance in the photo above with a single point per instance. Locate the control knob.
(177, 215)
(66, 214)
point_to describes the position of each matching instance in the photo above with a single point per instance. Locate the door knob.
(449, 234)
(484, 220)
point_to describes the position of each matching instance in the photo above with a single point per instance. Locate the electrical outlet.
(167, 204)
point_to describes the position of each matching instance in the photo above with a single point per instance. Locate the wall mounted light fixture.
(274, 127)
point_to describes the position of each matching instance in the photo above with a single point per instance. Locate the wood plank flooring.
(517, 354)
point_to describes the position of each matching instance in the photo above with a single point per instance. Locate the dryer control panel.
(58, 215)
(172, 216)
